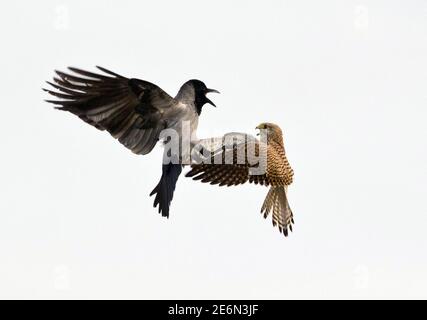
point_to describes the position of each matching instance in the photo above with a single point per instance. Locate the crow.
(135, 112)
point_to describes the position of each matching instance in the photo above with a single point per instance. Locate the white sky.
(346, 80)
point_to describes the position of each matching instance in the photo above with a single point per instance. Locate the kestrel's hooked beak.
(207, 99)
(259, 127)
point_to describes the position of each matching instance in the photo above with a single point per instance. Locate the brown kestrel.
(237, 166)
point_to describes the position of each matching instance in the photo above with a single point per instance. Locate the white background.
(346, 80)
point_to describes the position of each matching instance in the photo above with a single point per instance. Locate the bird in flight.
(135, 112)
(236, 166)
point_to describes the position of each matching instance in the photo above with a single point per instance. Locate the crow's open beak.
(207, 99)
(212, 90)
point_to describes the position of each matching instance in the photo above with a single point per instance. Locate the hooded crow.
(135, 112)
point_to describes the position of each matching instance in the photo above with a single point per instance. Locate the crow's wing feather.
(129, 109)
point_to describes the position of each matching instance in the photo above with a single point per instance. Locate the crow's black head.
(200, 91)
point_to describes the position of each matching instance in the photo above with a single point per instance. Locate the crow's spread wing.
(131, 110)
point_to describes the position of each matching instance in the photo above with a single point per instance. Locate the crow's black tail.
(166, 187)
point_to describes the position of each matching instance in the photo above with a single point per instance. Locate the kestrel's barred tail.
(277, 202)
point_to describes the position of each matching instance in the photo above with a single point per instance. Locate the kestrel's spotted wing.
(234, 164)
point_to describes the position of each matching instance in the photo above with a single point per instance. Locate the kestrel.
(237, 167)
(135, 112)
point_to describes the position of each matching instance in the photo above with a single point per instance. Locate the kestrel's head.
(272, 129)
